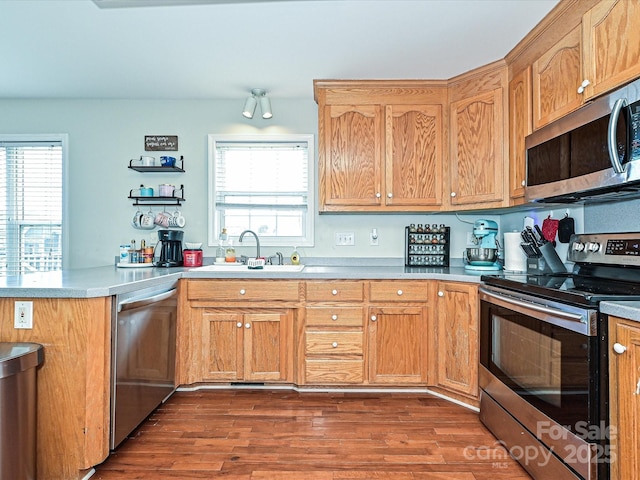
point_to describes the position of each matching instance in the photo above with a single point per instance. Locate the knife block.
(549, 262)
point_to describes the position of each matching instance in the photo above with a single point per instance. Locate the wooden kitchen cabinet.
(478, 167)
(557, 75)
(73, 382)
(457, 338)
(624, 383)
(380, 145)
(237, 330)
(247, 346)
(520, 125)
(611, 45)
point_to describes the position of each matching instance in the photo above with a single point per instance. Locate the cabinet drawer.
(335, 291)
(333, 343)
(335, 316)
(399, 291)
(243, 290)
(334, 371)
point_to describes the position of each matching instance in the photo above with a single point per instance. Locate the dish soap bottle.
(295, 257)
(222, 243)
(230, 253)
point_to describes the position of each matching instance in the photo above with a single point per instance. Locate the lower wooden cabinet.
(457, 338)
(251, 346)
(624, 386)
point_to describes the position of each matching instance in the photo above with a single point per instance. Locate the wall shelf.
(176, 199)
(178, 168)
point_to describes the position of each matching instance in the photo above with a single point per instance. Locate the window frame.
(63, 139)
(213, 228)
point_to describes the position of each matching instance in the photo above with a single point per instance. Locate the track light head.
(257, 94)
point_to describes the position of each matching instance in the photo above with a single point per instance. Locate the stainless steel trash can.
(18, 362)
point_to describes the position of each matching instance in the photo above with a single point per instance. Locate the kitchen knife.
(530, 238)
(542, 239)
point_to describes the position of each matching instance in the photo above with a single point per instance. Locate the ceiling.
(208, 49)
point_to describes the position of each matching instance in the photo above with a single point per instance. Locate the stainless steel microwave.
(590, 155)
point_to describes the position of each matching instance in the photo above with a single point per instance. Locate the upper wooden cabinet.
(557, 74)
(478, 167)
(380, 145)
(611, 45)
(519, 127)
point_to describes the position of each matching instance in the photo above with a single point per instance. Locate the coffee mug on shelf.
(167, 161)
(166, 190)
(147, 161)
(177, 220)
(147, 221)
(162, 219)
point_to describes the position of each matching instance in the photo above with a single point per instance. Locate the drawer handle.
(334, 292)
(373, 318)
(399, 292)
(242, 291)
(239, 324)
(334, 344)
(334, 317)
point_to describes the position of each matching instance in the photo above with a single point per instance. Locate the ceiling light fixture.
(251, 102)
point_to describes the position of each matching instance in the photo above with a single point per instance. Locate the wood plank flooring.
(283, 434)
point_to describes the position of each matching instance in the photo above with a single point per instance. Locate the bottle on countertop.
(295, 257)
(230, 253)
(222, 243)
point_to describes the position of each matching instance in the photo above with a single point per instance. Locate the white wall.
(105, 134)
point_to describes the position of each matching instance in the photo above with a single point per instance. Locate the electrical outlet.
(23, 312)
(347, 238)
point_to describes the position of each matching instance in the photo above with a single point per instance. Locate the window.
(30, 203)
(262, 183)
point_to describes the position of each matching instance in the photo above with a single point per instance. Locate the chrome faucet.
(257, 241)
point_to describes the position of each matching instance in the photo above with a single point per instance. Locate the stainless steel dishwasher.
(143, 356)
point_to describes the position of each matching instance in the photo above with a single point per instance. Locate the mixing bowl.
(481, 256)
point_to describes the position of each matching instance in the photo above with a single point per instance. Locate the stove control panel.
(605, 248)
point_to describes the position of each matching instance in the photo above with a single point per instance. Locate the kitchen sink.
(243, 268)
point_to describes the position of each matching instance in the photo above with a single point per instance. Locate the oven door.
(539, 361)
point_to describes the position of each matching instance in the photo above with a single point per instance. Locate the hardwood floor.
(283, 434)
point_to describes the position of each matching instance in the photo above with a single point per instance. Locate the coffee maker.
(170, 246)
(484, 255)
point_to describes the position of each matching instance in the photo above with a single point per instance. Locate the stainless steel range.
(544, 359)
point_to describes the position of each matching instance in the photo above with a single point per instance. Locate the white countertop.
(110, 280)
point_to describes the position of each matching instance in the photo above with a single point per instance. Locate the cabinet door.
(477, 159)
(351, 156)
(414, 155)
(397, 345)
(519, 128)
(611, 38)
(222, 346)
(625, 401)
(556, 77)
(457, 337)
(268, 345)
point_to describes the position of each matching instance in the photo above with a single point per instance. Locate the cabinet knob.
(334, 292)
(619, 348)
(334, 344)
(390, 195)
(239, 324)
(585, 83)
(242, 291)
(373, 318)
(334, 317)
(523, 183)
(400, 292)
(453, 194)
(247, 325)
(441, 294)
(378, 195)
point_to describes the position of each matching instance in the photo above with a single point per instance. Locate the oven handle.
(572, 321)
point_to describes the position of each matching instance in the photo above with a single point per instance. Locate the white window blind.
(30, 206)
(263, 185)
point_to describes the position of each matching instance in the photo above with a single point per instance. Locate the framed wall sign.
(161, 143)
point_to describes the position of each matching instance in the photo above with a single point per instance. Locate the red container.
(192, 258)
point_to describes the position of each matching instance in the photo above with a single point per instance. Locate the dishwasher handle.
(142, 302)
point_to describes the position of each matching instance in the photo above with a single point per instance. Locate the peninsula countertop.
(111, 280)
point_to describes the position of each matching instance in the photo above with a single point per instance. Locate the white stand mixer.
(484, 256)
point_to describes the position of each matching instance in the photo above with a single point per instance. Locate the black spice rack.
(427, 247)
(176, 199)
